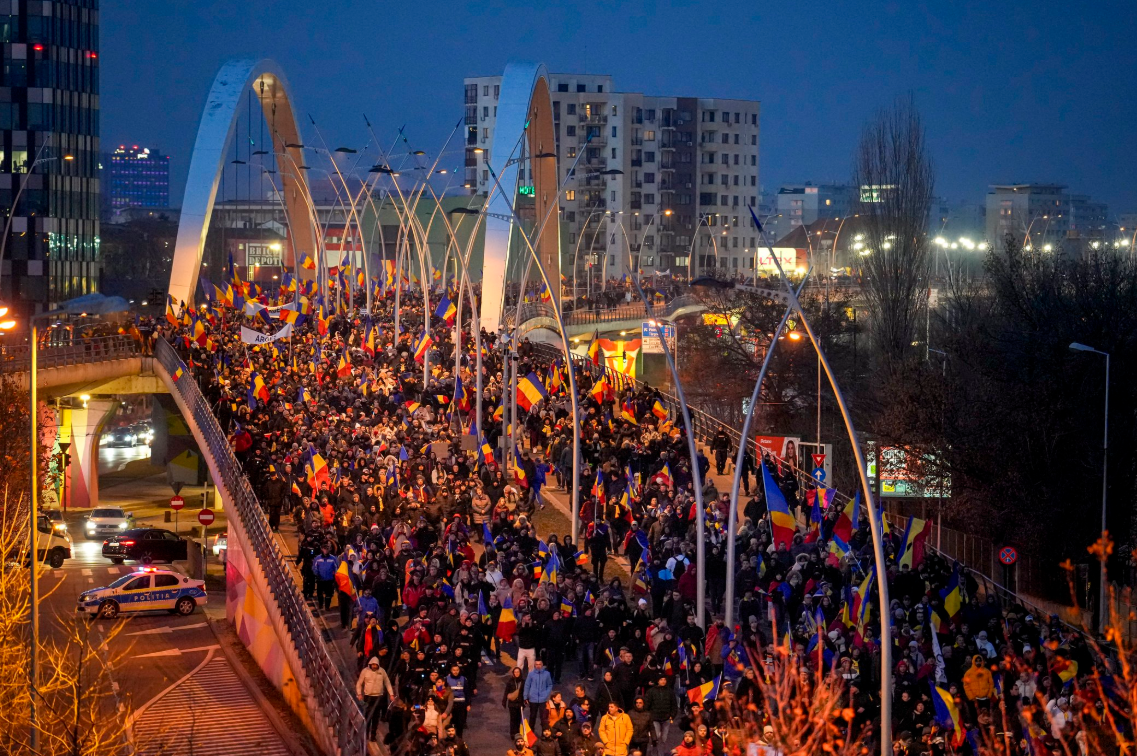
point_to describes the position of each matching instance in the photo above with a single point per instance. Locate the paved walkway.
(210, 711)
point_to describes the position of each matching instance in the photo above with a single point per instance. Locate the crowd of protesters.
(419, 533)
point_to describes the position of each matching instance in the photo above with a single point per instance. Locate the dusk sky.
(1010, 92)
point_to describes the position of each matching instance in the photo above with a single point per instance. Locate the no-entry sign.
(177, 503)
(205, 517)
(1008, 555)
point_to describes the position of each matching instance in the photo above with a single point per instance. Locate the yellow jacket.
(977, 681)
(615, 733)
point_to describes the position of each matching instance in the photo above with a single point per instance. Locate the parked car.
(53, 544)
(106, 521)
(145, 545)
(146, 590)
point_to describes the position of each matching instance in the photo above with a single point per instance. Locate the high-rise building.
(660, 176)
(1046, 213)
(49, 151)
(136, 177)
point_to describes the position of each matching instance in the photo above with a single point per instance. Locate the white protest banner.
(249, 336)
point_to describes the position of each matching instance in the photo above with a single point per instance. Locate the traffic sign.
(818, 459)
(177, 503)
(819, 474)
(1008, 555)
(205, 517)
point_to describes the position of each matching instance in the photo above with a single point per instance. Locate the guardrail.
(17, 359)
(599, 315)
(337, 702)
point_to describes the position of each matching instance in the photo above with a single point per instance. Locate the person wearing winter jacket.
(615, 731)
(641, 725)
(978, 685)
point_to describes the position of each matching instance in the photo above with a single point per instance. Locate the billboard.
(787, 256)
(784, 448)
(651, 330)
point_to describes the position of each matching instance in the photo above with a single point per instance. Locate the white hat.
(374, 662)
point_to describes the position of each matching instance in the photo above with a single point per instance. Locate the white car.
(150, 589)
(106, 521)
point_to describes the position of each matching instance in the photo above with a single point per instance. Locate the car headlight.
(122, 526)
(90, 526)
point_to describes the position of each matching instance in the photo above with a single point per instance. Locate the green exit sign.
(527, 191)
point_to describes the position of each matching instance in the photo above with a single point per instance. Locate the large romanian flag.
(912, 544)
(782, 522)
(529, 391)
(707, 691)
(507, 622)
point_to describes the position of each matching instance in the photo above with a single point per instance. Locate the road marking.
(90, 580)
(86, 573)
(166, 629)
(177, 651)
(112, 570)
(208, 711)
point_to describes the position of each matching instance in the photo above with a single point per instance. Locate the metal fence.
(601, 315)
(339, 706)
(54, 353)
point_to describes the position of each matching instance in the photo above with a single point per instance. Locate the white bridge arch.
(524, 111)
(265, 81)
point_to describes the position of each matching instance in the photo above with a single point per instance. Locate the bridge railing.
(336, 701)
(601, 315)
(61, 353)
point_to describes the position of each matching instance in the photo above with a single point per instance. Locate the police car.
(150, 589)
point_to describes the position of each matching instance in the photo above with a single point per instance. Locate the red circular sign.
(205, 517)
(177, 503)
(1008, 555)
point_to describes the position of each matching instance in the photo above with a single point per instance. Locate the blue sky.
(1009, 92)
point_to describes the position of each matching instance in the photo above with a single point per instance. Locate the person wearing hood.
(978, 685)
(372, 688)
(615, 731)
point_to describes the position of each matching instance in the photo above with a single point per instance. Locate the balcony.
(637, 162)
(594, 119)
(636, 205)
(637, 141)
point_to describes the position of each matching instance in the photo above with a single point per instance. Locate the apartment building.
(660, 178)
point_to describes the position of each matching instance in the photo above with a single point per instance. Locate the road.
(174, 677)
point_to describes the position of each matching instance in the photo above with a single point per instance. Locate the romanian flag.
(423, 344)
(344, 581)
(316, 468)
(947, 714)
(600, 390)
(507, 622)
(581, 558)
(289, 315)
(627, 412)
(782, 522)
(527, 733)
(665, 473)
(322, 322)
(849, 520)
(912, 544)
(200, 337)
(178, 372)
(659, 410)
(518, 470)
(412, 407)
(257, 390)
(446, 310)
(598, 486)
(545, 295)
(308, 263)
(951, 598)
(709, 690)
(369, 341)
(499, 413)
(485, 452)
(594, 349)
(529, 392)
(343, 369)
(861, 609)
(170, 316)
(567, 608)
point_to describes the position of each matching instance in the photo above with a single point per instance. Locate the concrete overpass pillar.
(81, 427)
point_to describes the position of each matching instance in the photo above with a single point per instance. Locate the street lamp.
(1075, 346)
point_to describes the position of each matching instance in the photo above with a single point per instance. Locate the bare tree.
(894, 175)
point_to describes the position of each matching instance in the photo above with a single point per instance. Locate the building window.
(571, 152)
(570, 195)
(650, 117)
(725, 200)
(485, 112)
(485, 133)
(471, 94)
(736, 159)
(725, 159)
(562, 87)
(725, 138)
(754, 139)
(649, 157)
(613, 153)
(753, 182)
(569, 131)
(736, 138)
(486, 90)
(613, 129)
(496, 91)
(485, 176)
(613, 112)
(708, 116)
(570, 216)
(600, 88)
(571, 108)
(649, 178)
(649, 136)
(753, 119)
(649, 199)
(581, 88)
(612, 195)
(736, 180)
(753, 160)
